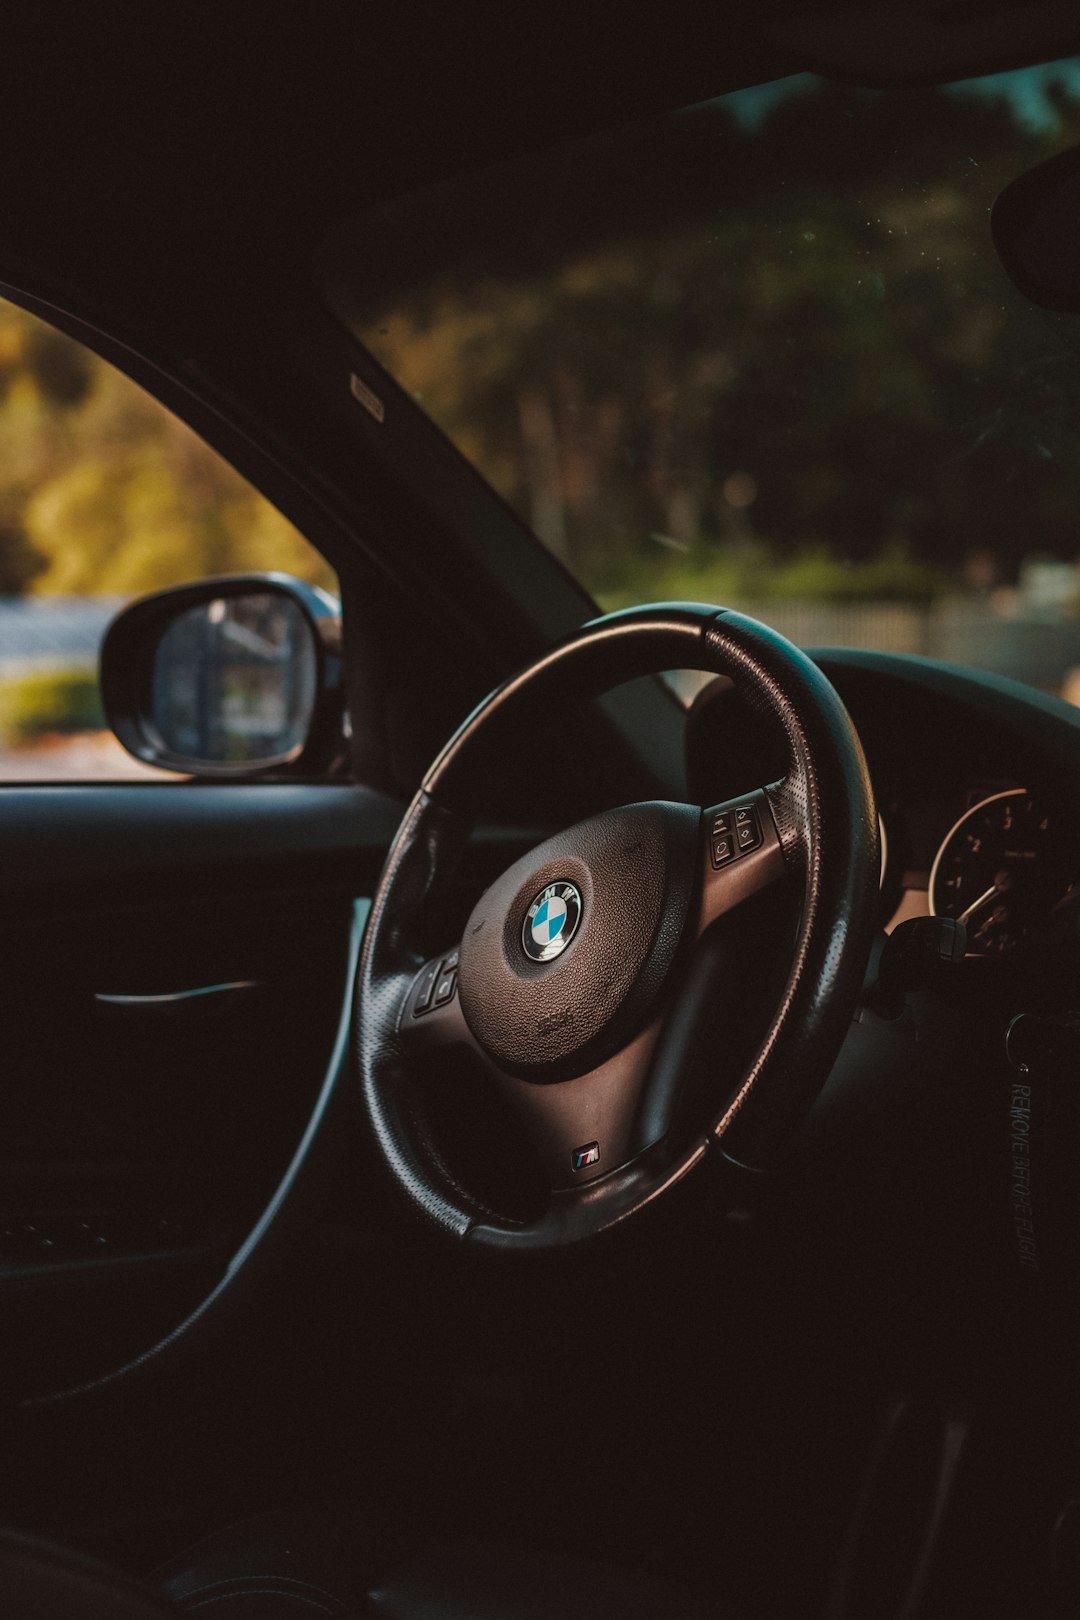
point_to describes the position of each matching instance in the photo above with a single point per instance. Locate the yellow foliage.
(105, 491)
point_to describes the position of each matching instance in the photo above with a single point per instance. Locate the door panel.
(150, 842)
(143, 1134)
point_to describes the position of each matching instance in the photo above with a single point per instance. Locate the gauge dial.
(997, 871)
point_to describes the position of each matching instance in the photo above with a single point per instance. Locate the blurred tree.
(792, 331)
(104, 490)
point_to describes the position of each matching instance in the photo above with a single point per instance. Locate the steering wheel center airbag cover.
(635, 870)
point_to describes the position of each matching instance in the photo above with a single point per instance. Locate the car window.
(762, 353)
(104, 494)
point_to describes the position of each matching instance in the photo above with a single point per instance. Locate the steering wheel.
(581, 975)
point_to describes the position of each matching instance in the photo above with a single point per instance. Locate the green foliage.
(820, 575)
(754, 572)
(104, 490)
(58, 701)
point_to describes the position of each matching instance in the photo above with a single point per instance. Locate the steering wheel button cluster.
(733, 831)
(435, 985)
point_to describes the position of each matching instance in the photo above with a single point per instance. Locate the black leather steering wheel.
(578, 979)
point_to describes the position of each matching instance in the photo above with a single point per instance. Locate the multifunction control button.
(436, 985)
(733, 833)
(426, 988)
(445, 988)
(747, 831)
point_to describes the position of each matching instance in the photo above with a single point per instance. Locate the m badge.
(583, 1157)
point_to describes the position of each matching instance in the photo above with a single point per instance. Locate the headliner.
(139, 135)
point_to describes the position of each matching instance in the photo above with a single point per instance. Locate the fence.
(1043, 651)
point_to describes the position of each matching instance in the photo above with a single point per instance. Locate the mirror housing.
(229, 678)
(1035, 224)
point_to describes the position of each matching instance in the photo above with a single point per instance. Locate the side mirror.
(228, 678)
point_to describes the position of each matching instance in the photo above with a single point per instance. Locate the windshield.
(761, 353)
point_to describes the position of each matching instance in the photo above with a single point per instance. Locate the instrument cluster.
(1006, 867)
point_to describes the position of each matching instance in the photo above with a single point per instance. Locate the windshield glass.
(762, 353)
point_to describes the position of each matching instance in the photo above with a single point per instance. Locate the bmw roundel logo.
(551, 922)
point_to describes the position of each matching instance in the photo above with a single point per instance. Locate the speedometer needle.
(997, 887)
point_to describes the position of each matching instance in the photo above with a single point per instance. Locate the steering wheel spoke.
(580, 1128)
(585, 1127)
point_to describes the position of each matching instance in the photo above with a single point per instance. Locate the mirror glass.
(235, 681)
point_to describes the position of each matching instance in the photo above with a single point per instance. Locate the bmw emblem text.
(551, 922)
